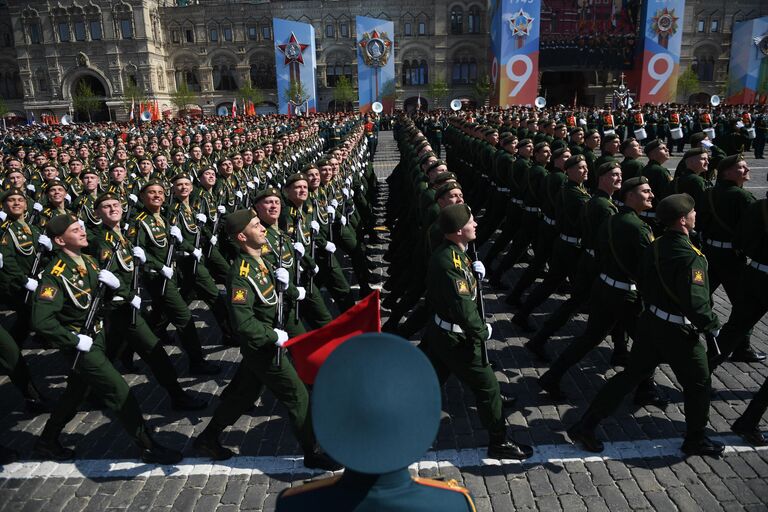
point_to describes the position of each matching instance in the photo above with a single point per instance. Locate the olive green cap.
(574, 161)
(694, 152)
(673, 207)
(631, 184)
(12, 192)
(267, 192)
(729, 161)
(238, 220)
(59, 224)
(297, 176)
(454, 217)
(446, 187)
(607, 167)
(107, 196)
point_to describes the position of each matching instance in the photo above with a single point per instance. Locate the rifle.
(215, 226)
(135, 284)
(714, 354)
(480, 304)
(98, 296)
(297, 271)
(33, 273)
(197, 240)
(280, 310)
(171, 249)
(312, 255)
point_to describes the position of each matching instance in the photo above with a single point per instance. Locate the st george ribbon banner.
(375, 63)
(296, 66)
(662, 33)
(515, 51)
(749, 62)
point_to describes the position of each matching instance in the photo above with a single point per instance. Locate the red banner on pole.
(310, 350)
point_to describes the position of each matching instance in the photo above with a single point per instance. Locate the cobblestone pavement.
(642, 467)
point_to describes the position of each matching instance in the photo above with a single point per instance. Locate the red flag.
(310, 350)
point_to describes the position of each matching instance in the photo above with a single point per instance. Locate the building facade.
(49, 48)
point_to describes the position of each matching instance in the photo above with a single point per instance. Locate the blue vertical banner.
(494, 50)
(296, 66)
(375, 63)
(515, 47)
(748, 69)
(662, 33)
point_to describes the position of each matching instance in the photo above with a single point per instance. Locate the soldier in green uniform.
(690, 180)
(721, 212)
(120, 329)
(376, 454)
(749, 309)
(254, 288)
(155, 234)
(453, 338)
(631, 165)
(658, 177)
(620, 241)
(62, 302)
(675, 287)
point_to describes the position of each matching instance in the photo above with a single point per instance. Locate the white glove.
(201, 218)
(132, 198)
(109, 279)
(715, 333)
(269, 175)
(31, 187)
(352, 192)
(139, 254)
(1, 260)
(345, 191)
(84, 343)
(331, 211)
(490, 330)
(334, 203)
(315, 226)
(31, 284)
(250, 185)
(239, 194)
(44, 241)
(3, 216)
(302, 292)
(214, 240)
(343, 220)
(167, 272)
(315, 270)
(176, 233)
(37, 207)
(282, 337)
(330, 247)
(282, 277)
(479, 269)
(136, 302)
(68, 198)
(221, 209)
(82, 223)
(198, 254)
(286, 164)
(299, 247)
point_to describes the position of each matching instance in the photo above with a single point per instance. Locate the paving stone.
(633, 494)
(583, 485)
(572, 503)
(596, 504)
(548, 503)
(169, 492)
(254, 497)
(521, 493)
(539, 482)
(127, 492)
(235, 491)
(599, 473)
(206, 503)
(742, 491)
(660, 501)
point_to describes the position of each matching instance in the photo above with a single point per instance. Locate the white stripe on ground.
(553, 453)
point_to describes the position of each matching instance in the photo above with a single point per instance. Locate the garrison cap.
(454, 217)
(653, 145)
(267, 192)
(626, 143)
(631, 184)
(59, 224)
(729, 161)
(369, 428)
(238, 220)
(607, 167)
(446, 187)
(12, 192)
(107, 196)
(297, 176)
(673, 207)
(574, 161)
(695, 152)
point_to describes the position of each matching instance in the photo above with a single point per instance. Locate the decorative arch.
(186, 67)
(72, 76)
(10, 81)
(263, 72)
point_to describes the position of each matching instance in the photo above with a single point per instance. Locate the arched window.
(263, 73)
(224, 77)
(187, 73)
(406, 72)
(457, 20)
(336, 70)
(473, 20)
(704, 65)
(464, 70)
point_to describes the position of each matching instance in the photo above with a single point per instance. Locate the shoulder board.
(109, 237)
(311, 486)
(449, 485)
(456, 260)
(6, 224)
(142, 216)
(58, 268)
(245, 268)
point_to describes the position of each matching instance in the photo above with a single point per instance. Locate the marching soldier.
(67, 291)
(675, 287)
(453, 338)
(254, 288)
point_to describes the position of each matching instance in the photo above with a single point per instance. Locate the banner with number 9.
(662, 38)
(515, 44)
